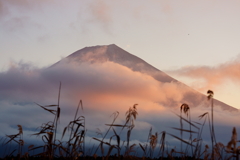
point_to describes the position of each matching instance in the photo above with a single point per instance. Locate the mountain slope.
(112, 53)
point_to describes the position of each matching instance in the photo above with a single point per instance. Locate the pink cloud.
(101, 12)
(211, 77)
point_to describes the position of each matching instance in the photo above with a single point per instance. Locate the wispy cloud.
(15, 16)
(94, 14)
(7, 7)
(211, 77)
(101, 13)
(3, 9)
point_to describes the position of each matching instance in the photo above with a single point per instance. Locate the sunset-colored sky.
(196, 42)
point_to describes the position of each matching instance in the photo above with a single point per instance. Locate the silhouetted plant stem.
(190, 130)
(181, 126)
(56, 119)
(114, 119)
(212, 129)
(213, 138)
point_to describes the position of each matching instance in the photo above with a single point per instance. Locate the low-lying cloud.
(104, 88)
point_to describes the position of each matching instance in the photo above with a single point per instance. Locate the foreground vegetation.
(122, 148)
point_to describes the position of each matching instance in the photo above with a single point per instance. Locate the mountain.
(113, 53)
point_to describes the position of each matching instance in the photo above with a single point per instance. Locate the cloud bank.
(104, 88)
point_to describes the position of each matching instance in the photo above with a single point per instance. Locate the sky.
(170, 35)
(196, 42)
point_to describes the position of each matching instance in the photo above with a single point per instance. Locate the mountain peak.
(113, 53)
(100, 53)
